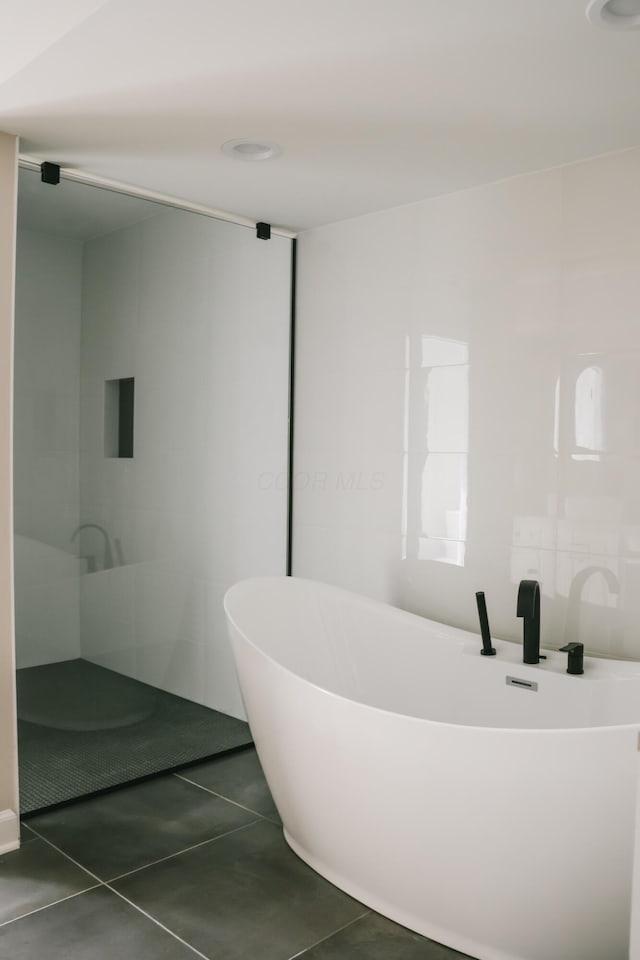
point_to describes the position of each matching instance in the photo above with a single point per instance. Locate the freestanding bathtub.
(492, 816)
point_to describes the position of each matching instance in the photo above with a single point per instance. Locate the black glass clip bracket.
(50, 173)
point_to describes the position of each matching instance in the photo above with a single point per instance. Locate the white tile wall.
(46, 447)
(198, 312)
(474, 361)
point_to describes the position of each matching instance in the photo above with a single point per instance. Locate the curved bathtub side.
(506, 845)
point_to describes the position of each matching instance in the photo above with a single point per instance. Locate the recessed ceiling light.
(614, 14)
(251, 149)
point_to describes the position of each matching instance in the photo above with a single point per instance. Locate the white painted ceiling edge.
(28, 28)
(375, 103)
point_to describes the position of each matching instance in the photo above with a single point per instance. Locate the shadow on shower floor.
(83, 729)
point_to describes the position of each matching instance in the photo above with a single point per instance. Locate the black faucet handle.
(576, 657)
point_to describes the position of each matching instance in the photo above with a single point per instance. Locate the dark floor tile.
(35, 876)
(239, 777)
(242, 896)
(376, 938)
(97, 925)
(137, 825)
(26, 834)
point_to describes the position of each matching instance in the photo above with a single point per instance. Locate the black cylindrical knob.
(576, 657)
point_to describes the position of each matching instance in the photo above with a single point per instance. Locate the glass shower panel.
(122, 558)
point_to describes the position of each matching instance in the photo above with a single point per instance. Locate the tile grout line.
(221, 796)
(175, 936)
(46, 906)
(344, 926)
(75, 862)
(102, 883)
(99, 882)
(157, 923)
(170, 856)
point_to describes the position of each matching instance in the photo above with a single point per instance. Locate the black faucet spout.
(529, 609)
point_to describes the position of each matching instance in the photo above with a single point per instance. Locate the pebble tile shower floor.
(190, 864)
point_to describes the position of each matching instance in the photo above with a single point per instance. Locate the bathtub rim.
(244, 585)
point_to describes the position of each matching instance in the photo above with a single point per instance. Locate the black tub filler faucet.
(529, 609)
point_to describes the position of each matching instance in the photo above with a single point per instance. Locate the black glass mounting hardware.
(50, 173)
(487, 649)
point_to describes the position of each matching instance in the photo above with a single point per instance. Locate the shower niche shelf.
(118, 417)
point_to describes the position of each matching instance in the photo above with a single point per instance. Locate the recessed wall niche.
(118, 417)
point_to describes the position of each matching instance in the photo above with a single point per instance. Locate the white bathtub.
(493, 818)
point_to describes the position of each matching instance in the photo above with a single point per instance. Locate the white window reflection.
(589, 433)
(447, 409)
(443, 510)
(438, 352)
(556, 418)
(405, 446)
(444, 496)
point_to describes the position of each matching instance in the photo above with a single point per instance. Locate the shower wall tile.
(601, 210)
(479, 353)
(198, 312)
(47, 612)
(46, 447)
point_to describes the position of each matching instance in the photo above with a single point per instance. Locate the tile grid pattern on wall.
(190, 864)
(467, 404)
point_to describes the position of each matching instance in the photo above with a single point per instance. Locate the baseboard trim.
(9, 831)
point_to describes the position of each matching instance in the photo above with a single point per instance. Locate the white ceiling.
(28, 29)
(375, 103)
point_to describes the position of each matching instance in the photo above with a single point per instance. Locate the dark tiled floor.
(95, 926)
(35, 876)
(239, 778)
(150, 820)
(186, 865)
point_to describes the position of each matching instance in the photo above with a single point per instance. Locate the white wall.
(196, 310)
(468, 403)
(46, 447)
(9, 825)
